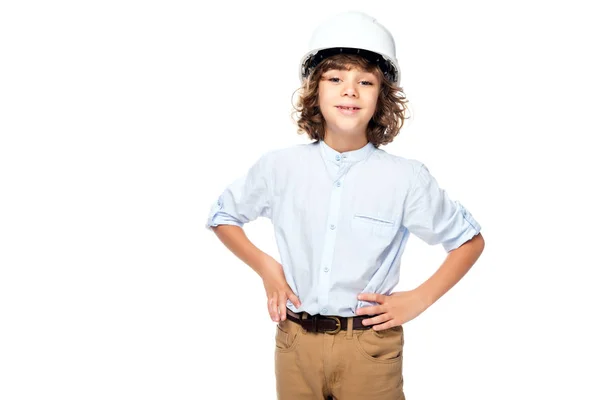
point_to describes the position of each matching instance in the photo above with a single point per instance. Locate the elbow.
(480, 240)
(477, 243)
(477, 240)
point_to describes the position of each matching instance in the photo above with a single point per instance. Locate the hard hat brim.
(313, 58)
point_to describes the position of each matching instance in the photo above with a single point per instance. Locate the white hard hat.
(352, 32)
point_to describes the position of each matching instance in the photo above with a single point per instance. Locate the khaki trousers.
(348, 365)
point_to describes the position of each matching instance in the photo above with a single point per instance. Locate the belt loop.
(303, 317)
(349, 327)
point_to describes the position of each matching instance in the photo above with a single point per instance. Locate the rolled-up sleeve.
(431, 215)
(244, 200)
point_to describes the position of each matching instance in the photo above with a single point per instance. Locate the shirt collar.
(331, 154)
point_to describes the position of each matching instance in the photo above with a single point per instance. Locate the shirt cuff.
(218, 217)
(472, 229)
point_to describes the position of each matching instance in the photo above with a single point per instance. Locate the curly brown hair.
(390, 111)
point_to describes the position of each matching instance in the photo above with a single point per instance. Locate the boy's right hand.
(277, 290)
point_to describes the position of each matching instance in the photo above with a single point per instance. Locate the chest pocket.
(370, 225)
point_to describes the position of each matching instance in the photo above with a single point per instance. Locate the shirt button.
(323, 311)
(332, 226)
(326, 269)
(338, 184)
(337, 157)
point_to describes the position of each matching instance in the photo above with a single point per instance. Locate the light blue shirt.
(342, 220)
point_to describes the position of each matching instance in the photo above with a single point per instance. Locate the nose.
(349, 90)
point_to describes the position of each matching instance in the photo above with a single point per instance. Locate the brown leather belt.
(327, 323)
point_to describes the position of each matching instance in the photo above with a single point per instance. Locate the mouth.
(348, 110)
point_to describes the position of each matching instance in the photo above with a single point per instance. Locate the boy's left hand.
(395, 309)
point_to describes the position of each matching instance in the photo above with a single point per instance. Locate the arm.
(270, 270)
(243, 201)
(235, 239)
(435, 218)
(401, 307)
(455, 266)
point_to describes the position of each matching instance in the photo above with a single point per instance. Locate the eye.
(363, 82)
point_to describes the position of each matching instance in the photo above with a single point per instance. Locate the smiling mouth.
(348, 108)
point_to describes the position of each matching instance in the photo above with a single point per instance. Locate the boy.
(343, 210)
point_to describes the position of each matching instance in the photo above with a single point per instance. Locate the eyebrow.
(343, 70)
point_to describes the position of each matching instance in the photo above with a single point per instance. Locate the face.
(339, 89)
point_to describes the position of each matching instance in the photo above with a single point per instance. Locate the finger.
(376, 297)
(282, 305)
(389, 324)
(295, 300)
(376, 320)
(273, 307)
(270, 308)
(371, 310)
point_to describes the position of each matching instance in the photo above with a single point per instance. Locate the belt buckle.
(337, 323)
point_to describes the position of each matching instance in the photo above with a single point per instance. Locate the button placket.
(330, 237)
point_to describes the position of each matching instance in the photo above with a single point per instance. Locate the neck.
(345, 143)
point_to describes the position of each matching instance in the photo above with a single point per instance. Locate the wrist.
(423, 297)
(261, 264)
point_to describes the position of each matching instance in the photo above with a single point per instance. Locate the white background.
(121, 122)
